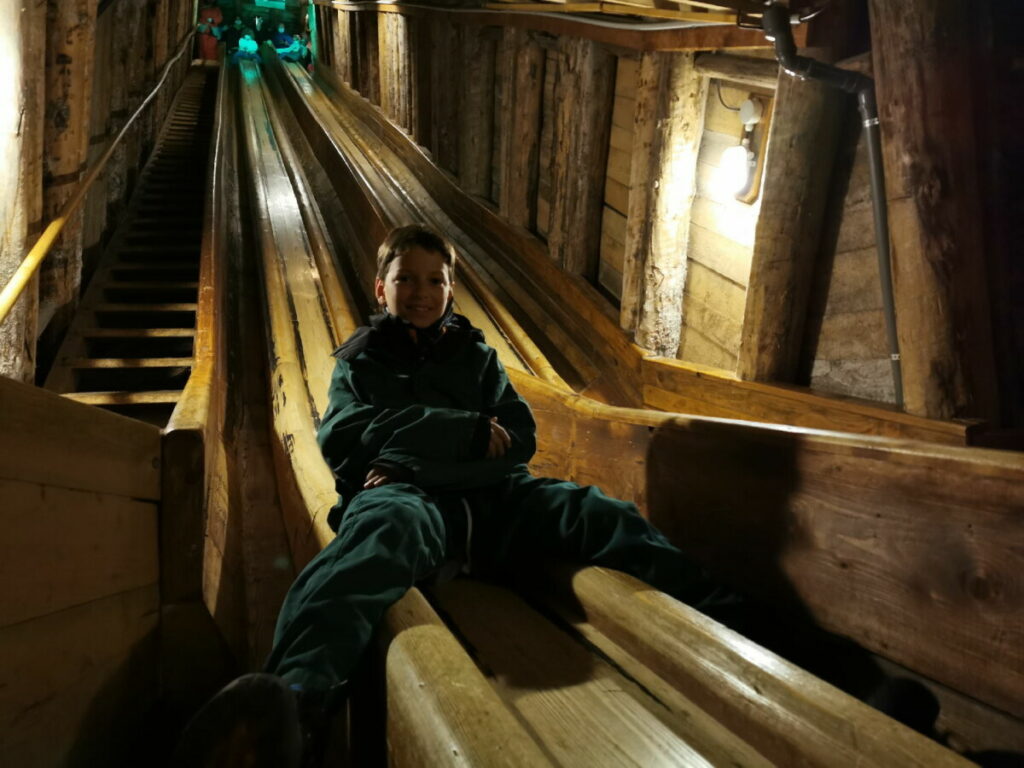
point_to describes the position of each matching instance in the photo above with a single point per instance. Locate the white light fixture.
(739, 163)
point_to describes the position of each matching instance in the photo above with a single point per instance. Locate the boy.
(428, 442)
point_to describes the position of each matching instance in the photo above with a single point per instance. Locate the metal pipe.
(776, 23)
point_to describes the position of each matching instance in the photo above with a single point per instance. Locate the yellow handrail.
(13, 290)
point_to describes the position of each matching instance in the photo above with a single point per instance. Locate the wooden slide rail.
(516, 257)
(422, 650)
(79, 497)
(566, 419)
(874, 581)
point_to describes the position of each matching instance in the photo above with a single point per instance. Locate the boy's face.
(417, 287)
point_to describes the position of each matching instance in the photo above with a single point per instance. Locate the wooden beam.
(476, 113)
(422, 66)
(695, 38)
(71, 32)
(759, 73)
(800, 156)
(520, 135)
(668, 124)
(923, 56)
(584, 93)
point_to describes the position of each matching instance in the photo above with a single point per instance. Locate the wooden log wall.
(749, 265)
(80, 76)
(78, 561)
(21, 157)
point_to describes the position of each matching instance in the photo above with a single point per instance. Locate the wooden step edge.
(122, 363)
(155, 397)
(148, 285)
(166, 307)
(137, 333)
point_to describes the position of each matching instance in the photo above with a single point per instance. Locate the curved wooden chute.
(755, 501)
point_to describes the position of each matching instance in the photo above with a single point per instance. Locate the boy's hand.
(377, 477)
(500, 440)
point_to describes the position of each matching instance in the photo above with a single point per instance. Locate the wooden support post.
(95, 206)
(368, 66)
(395, 69)
(122, 51)
(760, 73)
(476, 115)
(800, 156)
(422, 107)
(668, 124)
(923, 58)
(71, 34)
(161, 37)
(135, 78)
(584, 90)
(520, 135)
(342, 27)
(445, 75)
(23, 32)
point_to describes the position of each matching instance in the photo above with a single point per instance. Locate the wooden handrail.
(34, 258)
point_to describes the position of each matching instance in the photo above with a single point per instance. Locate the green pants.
(396, 535)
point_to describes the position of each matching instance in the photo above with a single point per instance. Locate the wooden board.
(77, 684)
(49, 440)
(62, 548)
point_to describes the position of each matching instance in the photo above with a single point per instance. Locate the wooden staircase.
(130, 347)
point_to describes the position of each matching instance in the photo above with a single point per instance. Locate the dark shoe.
(252, 722)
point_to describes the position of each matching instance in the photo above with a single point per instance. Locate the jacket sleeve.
(432, 469)
(353, 434)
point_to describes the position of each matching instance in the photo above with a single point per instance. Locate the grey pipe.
(777, 29)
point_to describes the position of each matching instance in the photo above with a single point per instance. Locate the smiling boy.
(428, 442)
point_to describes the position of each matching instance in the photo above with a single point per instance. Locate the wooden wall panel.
(520, 136)
(476, 113)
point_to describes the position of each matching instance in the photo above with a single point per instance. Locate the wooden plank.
(520, 137)
(63, 548)
(49, 440)
(694, 347)
(734, 221)
(616, 195)
(668, 126)
(620, 163)
(156, 397)
(719, 253)
(439, 704)
(787, 715)
(718, 313)
(79, 683)
(394, 69)
(585, 712)
(760, 73)
(939, 254)
(802, 140)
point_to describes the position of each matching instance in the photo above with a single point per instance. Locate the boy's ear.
(378, 290)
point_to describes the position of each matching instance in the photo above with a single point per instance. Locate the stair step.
(157, 397)
(88, 363)
(150, 285)
(166, 307)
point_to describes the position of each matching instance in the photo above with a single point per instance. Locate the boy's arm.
(433, 470)
(352, 431)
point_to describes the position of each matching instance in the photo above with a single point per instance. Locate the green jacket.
(421, 410)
